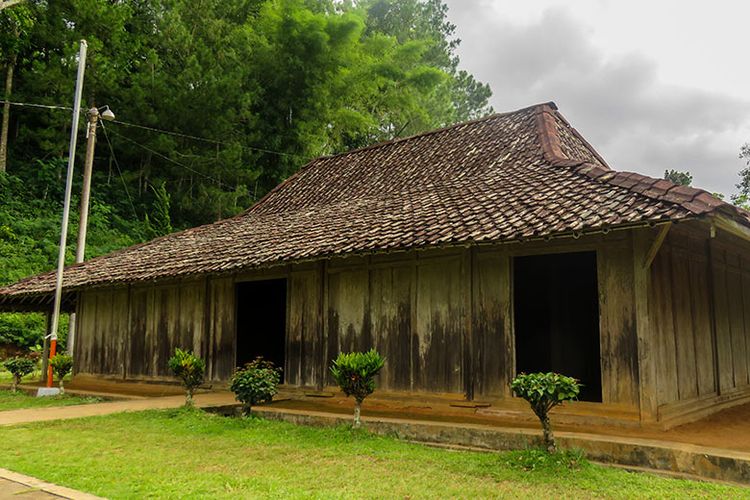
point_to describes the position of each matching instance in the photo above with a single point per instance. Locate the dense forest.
(216, 102)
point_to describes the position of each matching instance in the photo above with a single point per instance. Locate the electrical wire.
(197, 172)
(43, 106)
(119, 171)
(197, 138)
(160, 131)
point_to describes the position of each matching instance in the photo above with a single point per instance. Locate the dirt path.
(13, 417)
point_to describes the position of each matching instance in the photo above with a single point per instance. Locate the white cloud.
(618, 100)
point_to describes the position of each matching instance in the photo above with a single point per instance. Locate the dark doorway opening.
(556, 306)
(261, 321)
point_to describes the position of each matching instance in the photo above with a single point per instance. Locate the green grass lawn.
(16, 400)
(180, 453)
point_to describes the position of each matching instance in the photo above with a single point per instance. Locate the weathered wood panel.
(737, 325)
(438, 343)
(701, 316)
(349, 326)
(723, 329)
(661, 309)
(191, 320)
(619, 341)
(103, 327)
(86, 318)
(683, 321)
(140, 353)
(222, 330)
(391, 311)
(492, 336)
(305, 363)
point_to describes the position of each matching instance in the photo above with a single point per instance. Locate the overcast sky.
(653, 85)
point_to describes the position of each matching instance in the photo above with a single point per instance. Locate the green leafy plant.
(61, 364)
(190, 369)
(544, 391)
(256, 382)
(19, 367)
(355, 373)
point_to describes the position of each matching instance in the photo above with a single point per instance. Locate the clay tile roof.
(511, 176)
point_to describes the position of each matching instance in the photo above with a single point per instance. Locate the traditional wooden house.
(465, 255)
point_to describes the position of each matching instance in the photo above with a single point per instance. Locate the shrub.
(355, 372)
(544, 391)
(61, 364)
(256, 382)
(19, 367)
(190, 369)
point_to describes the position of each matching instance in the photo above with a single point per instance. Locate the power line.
(212, 141)
(119, 171)
(197, 172)
(162, 131)
(43, 106)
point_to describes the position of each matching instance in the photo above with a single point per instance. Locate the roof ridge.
(696, 200)
(426, 133)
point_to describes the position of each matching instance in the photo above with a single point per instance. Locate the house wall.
(699, 297)
(442, 318)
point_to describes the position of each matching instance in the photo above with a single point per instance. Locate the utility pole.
(66, 206)
(93, 117)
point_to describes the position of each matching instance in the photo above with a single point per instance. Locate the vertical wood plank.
(491, 286)
(646, 331)
(440, 325)
(704, 355)
(662, 320)
(683, 321)
(619, 342)
(723, 329)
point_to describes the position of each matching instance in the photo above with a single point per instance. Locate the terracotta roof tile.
(519, 175)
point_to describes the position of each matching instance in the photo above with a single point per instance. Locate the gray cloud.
(618, 102)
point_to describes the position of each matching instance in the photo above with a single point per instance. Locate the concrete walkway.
(29, 415)
(20, 487)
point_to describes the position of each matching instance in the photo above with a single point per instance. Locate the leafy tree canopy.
(252, 89)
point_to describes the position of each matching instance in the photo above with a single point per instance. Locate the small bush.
(544, 391)
(190, 369)
(355, 373)
(61, 364)
(256, 382)
(19, 367)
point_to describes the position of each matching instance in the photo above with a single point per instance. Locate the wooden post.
(648, 400)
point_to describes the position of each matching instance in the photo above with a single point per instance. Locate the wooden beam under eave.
(656, 245)
(732, 227)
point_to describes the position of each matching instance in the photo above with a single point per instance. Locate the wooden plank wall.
(131, 332)
(731, 271)
(442, 318)
(693, 327)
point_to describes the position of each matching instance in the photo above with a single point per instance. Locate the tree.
(18, 23)
(256, 382)
(679, 178)
(742, 197)
(544, 391)
(160, 222)
(19, 367)
(355, 373)
(62, 365)
(190, 369)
